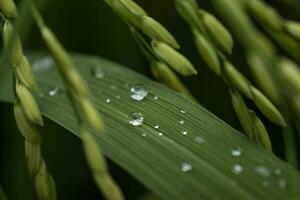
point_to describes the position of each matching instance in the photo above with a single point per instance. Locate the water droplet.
(237, 169)
(136, 119)
(186, 167)
(199, 139)
(108, 100)
(282, 184)
(144, 134)
(156, 126)
(118, 97)
(181, 122)
(42, 64)
(263, 171)
(160, 134)
(236, 152)
(184, 132)
(183, 111)
(155, 98)
(53, 91)
(113, 87)
(278, 172)
(41, 95)
(97, 73)
(138, 92)
(266, 184)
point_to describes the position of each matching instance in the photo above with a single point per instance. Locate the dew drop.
(199, 139)
(108, 100)
(136, 119)
(282, 184)
(118, 97)
(97, 73)
(184, 132)
(266, 184)
(236, 152)
(181, 122)
(138, 92)
(41, 95)
(42, 64)
(262, 171)
(237, 169)
(144, 134)
(53, 91)
(182, 111)
(113, 87)
(186, 167)
(160, 134)
(278, 172)
(156, 126)
(155, 98)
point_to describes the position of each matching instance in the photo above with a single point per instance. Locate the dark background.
(91, 27)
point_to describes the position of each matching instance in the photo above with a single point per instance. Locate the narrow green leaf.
(194, 157)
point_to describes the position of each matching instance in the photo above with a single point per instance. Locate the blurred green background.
(91, 27)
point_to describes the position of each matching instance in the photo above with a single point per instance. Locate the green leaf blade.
(157, 160)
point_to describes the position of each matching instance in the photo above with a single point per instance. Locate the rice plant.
(209, 108)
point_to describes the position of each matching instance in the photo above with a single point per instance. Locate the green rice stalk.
(139, 21)
(99, 168)
(211, 55)
(26, 110)
(217, 31)
(87, 114)
(177, 61)
(166, 76)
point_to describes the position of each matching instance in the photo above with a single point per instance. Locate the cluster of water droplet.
(262, 171)
(138, 92)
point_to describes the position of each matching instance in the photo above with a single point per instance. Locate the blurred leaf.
(199, 164)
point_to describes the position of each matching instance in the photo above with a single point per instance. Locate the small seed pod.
(133, 7)
(76, 83)
(218, 33)
(16, 52)
(33, 156)
(265, 13)
(262, 133)
(97, 163)
(91, 114)
(207, 52)
(8, 8)
(52, 185)
(26, 128)
(156, 31)
(237, 79)
(242, 113)
(262, 76)
(166, 76)
(25, 74)
(58, 52)
(126, 13)
(291, 73)
(177, 61)
(188, 10)
(93, 153)
(42, 182)
(267, 108)
(293, 28)
(108, 185)
(29, 104)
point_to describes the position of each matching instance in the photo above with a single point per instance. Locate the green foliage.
(197, 164)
